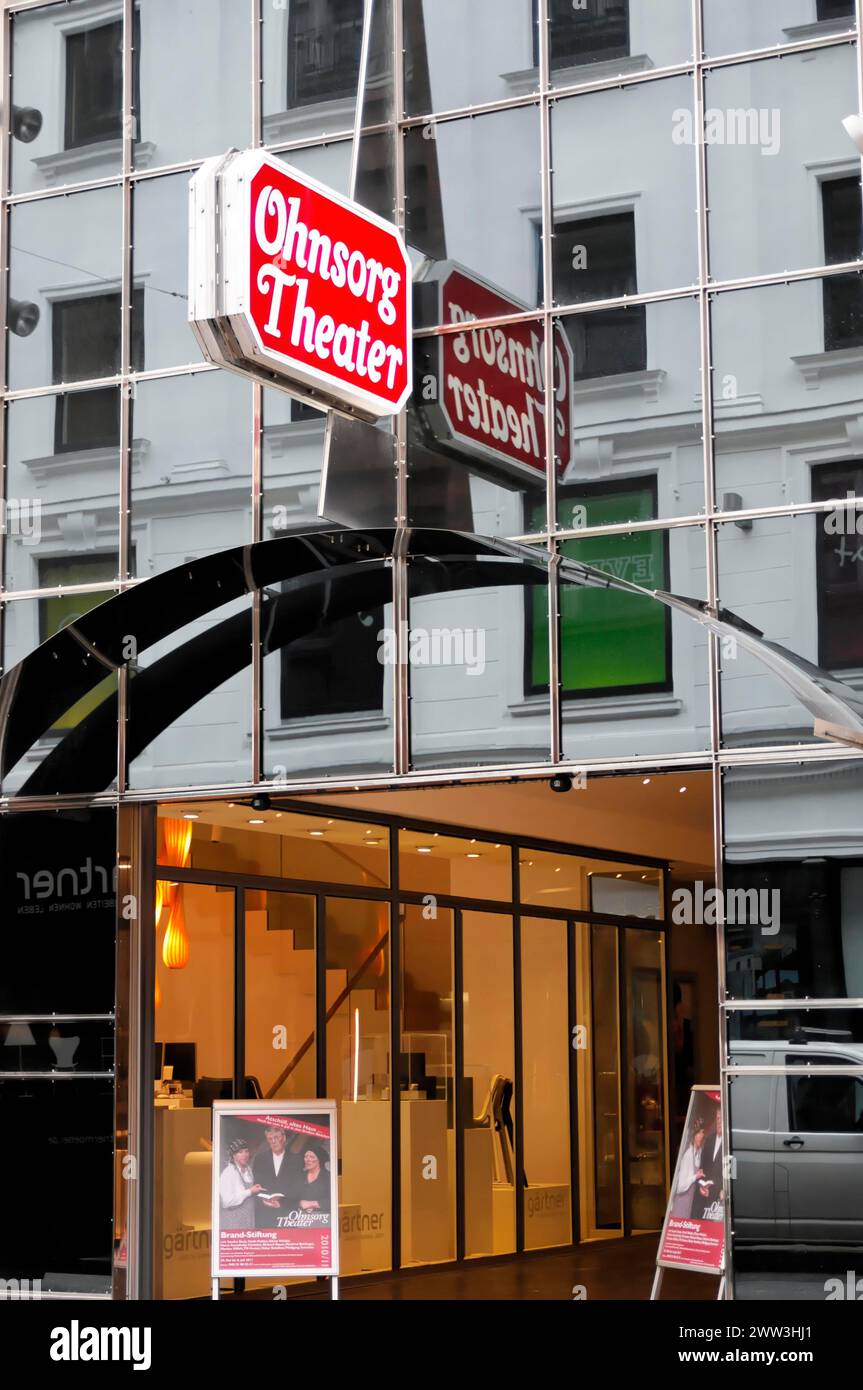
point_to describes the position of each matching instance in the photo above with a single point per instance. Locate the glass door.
(644, 1077)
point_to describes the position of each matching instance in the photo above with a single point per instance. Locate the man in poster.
(710, 1196)
(277, 1170)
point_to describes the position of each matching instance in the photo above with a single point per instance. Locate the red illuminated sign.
(491, 381)
(308, 289)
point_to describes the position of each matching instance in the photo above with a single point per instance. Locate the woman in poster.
(313, 1189)
(690, 1171)
(237, 1189)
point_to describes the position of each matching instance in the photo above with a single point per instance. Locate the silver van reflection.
(798, 1145)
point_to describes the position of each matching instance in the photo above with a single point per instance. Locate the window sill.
(663, 705)
(636, 384)
(324, 724)
(84, 460)
(84, 160)
(526, 80)
(815, 367)
(819, 29)
(319, 118)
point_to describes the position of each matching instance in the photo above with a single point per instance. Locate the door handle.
(794, 1143)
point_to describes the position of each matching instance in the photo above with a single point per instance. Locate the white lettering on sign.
(281, 234)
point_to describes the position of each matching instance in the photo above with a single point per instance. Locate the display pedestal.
(427, 1235)
(546, 1215)
(183, 1169)
(365, 1216)
(478, 1183)
(503, 1202)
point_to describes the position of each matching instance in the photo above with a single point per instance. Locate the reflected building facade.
(637, 238)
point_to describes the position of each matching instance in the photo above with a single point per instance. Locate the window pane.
(736, 26)
(796, 926)
(280, 992)
(186, 109)
(358, 1076)
(69, 1131)
(160, 331)
(489, 1069)
(622, 176)
(311, 65)
(67, 95)
(191, 468)
(495, 56)
(786, 369)
(280, 844)
(469, 639)
(644, 1077)
(64, 282)
(757, 143)
(459, 209)
(798, 580)
(635, 672)
(426, 1088)
(545, 1067)
(606, 1079)
(808, 1029)
(444, 864)
(596, 36)
(476, 437)
(194, 1024)
(58, 895)
(63, 491)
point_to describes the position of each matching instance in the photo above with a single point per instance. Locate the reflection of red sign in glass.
(493, 382)
(316, 288)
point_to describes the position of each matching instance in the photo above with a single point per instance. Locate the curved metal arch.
(323, 576)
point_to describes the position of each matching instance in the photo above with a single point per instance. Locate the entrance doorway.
(495, 1012)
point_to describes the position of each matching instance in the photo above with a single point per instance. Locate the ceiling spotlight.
(423, 849)
(646, 782)
(682, 790)
(317, 833)
(472, 855)
(190, 815)
(256, 821)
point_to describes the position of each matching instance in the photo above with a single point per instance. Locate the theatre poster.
(693, 1234)
(275, 1190)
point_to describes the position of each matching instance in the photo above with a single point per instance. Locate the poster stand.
(275, 1212)
(693, 1232)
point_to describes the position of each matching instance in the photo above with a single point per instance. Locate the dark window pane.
(324, 41)
(57, 912)
(94, 85)
(835, 9)
(334, 670)
(595, 30)
(62, 1233)
(843, 241)
(595, 258)
(825, 1104)
(839, 551)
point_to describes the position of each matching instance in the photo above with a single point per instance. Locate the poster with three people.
(275, 1194)
(693, 1234)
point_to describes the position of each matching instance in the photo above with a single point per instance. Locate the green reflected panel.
(610, 642)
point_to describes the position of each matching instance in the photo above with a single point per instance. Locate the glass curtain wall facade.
(638, 264)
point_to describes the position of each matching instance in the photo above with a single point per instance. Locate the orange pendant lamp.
(169, 896)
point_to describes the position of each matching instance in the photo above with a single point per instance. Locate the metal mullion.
(574, 1148)
(395, 1041)
(517, 1047)
(5, 163)
(258, 712)
(625, 1107)
(239, 992)
(553, 587)
(781, 1006)
(458, 1079)
(320, 996)
(257, 22)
